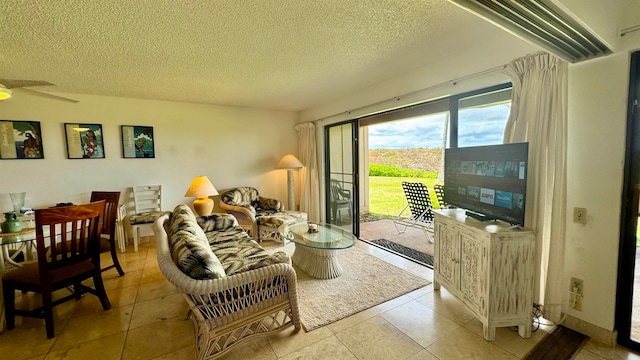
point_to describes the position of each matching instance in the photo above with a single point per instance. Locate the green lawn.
(387, 198)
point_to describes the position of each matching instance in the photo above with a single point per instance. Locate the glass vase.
(17, 199)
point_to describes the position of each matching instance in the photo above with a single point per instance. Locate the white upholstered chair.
(148, 206)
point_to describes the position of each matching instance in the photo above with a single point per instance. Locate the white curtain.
(309, 185)
(539, 116)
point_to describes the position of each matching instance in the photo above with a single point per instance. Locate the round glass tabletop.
(327, 237)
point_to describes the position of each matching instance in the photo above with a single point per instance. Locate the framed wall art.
(20, 140)
(84, 141)
(137, 142)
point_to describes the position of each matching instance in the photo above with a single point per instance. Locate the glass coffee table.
(316, 253)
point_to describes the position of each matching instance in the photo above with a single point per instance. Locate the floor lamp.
(290, 162)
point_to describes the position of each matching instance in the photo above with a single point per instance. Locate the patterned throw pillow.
(268, 204)
(189, 246)
(217, 221)
(194, 258)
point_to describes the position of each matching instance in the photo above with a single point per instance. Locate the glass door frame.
(355, 185)
(629, 214)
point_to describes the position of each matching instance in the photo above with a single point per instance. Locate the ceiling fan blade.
(47, 95)
(12, 84)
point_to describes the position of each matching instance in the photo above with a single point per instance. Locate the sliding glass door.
(628, 296)
(341, 174)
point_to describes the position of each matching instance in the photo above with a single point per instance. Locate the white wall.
(232, 146)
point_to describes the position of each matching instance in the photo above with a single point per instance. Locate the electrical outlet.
(580, 215)
(576, 293)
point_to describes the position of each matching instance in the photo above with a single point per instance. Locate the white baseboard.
(607, 337)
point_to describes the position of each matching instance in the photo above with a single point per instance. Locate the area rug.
(561, 343)
(412, 254)
(367, 281)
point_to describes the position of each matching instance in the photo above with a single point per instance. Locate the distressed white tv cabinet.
(489, 266)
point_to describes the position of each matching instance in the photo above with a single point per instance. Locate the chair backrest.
(147, 198)
(68, 235)
(111, 199)
(439, 189)
(240, 196)
(419, 201)
(335, 187)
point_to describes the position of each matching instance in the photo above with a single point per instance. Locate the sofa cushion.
(145, 217)
(189, 246)
(282, 217)
(239, 254)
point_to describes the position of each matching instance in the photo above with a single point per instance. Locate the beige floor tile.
(94, 326)
(104, 348)
(131, 278)
(158, 309)
(329, 348)
(376, 338)
(288, 341)
(446, 304)
(257, 349)
(368, 313)
(421, 323)
(151, 274)
(117, 297)
(464, 344)
(508, 338)
(586, 355)
(155, 289)
(609, 352)
(187, 353)
(159, 338)
(423, 355)
(25, 342)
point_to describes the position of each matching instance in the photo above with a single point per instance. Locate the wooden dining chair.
(108, 241)
(77, 229)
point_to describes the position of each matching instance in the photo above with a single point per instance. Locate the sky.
(476, 126)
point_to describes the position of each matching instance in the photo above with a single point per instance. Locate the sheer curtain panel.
(539, 116)
(309, 185)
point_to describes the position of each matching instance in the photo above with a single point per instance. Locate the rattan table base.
(319, 263)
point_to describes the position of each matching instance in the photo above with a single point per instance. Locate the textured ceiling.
(275, 54)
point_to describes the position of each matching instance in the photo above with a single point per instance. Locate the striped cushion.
(189, 246)
(145, 217)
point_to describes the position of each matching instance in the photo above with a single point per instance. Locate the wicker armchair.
(229, 310)
(263, 218)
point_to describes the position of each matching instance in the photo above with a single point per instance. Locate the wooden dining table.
(21, 241)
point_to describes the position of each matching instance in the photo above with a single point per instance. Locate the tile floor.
(146, 322)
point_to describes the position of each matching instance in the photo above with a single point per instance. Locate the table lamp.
(202, 188)
(290, 162)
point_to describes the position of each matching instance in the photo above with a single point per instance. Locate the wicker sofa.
(235, 289)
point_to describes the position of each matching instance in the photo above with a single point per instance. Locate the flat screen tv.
(490, 182)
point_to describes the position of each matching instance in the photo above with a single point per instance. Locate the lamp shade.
(202, 188)
(289, 162)
(4, 93)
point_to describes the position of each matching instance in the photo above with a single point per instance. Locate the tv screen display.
(490, 181)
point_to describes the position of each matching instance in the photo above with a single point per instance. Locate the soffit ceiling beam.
(543, 23)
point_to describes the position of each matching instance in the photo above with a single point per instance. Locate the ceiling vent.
(542, 22)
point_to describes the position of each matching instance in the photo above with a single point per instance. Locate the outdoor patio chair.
(340, 199)
(420, 210)
(439, 189)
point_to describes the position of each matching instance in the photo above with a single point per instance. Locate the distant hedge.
(392, 171)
